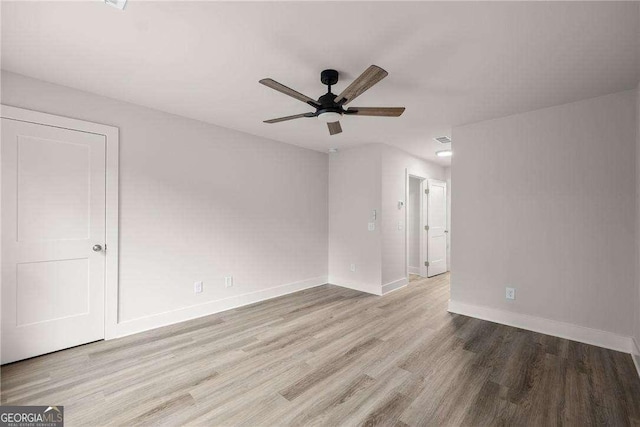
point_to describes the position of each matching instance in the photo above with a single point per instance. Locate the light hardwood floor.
(332, 356)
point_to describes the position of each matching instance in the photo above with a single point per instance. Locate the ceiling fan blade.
(284, 119)
(371, 76)
(376, 111)
(288, 91)
(334, 128)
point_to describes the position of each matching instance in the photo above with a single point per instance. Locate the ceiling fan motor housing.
(329, 110)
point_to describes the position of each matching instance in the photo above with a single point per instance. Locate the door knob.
(97, 248)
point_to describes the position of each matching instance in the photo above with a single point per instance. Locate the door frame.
(423, 218)
(111, 135)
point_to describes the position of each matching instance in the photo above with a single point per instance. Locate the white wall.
(395, 165)
(198, 202)
(354, 192)
(545, 202)
(362, 179)
(413, 226)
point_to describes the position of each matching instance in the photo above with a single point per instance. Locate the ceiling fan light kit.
(329, 107)
(329, 116)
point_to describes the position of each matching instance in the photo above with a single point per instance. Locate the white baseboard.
(349, 284)
(555, 328)
(414, 270)
(166, 318)
(395, 285)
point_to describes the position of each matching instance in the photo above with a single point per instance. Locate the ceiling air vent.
(443, 139)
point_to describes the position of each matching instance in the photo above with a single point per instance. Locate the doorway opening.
(414, 226)
(427, 227)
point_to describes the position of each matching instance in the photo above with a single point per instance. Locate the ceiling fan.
(329, 107)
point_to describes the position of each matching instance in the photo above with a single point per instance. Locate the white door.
(437, 227)
(53, 213)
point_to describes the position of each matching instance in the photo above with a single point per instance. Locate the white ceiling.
(448, 63)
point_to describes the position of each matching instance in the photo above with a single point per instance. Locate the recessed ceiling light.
(119, 4)
(444, 153)
(333, 150)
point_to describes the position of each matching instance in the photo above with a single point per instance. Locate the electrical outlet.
(197, 287)
(372, 226)
(511, 293)
(228, 281)
(352, 267)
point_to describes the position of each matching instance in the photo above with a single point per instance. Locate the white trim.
(423, 241)
(636, 355)
(333, 280)
(408, 174)
(166, 318)
(414, 270)
(394, 286)
(111, 162)
(545, 326)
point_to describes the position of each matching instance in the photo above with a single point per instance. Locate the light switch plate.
(228, 281)
(197, 287)
(352, 267)
(372, 226)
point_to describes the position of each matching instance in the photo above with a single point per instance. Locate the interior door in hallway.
(437, 227)
(53, 238)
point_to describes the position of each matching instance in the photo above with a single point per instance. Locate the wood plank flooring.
(333, 356)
